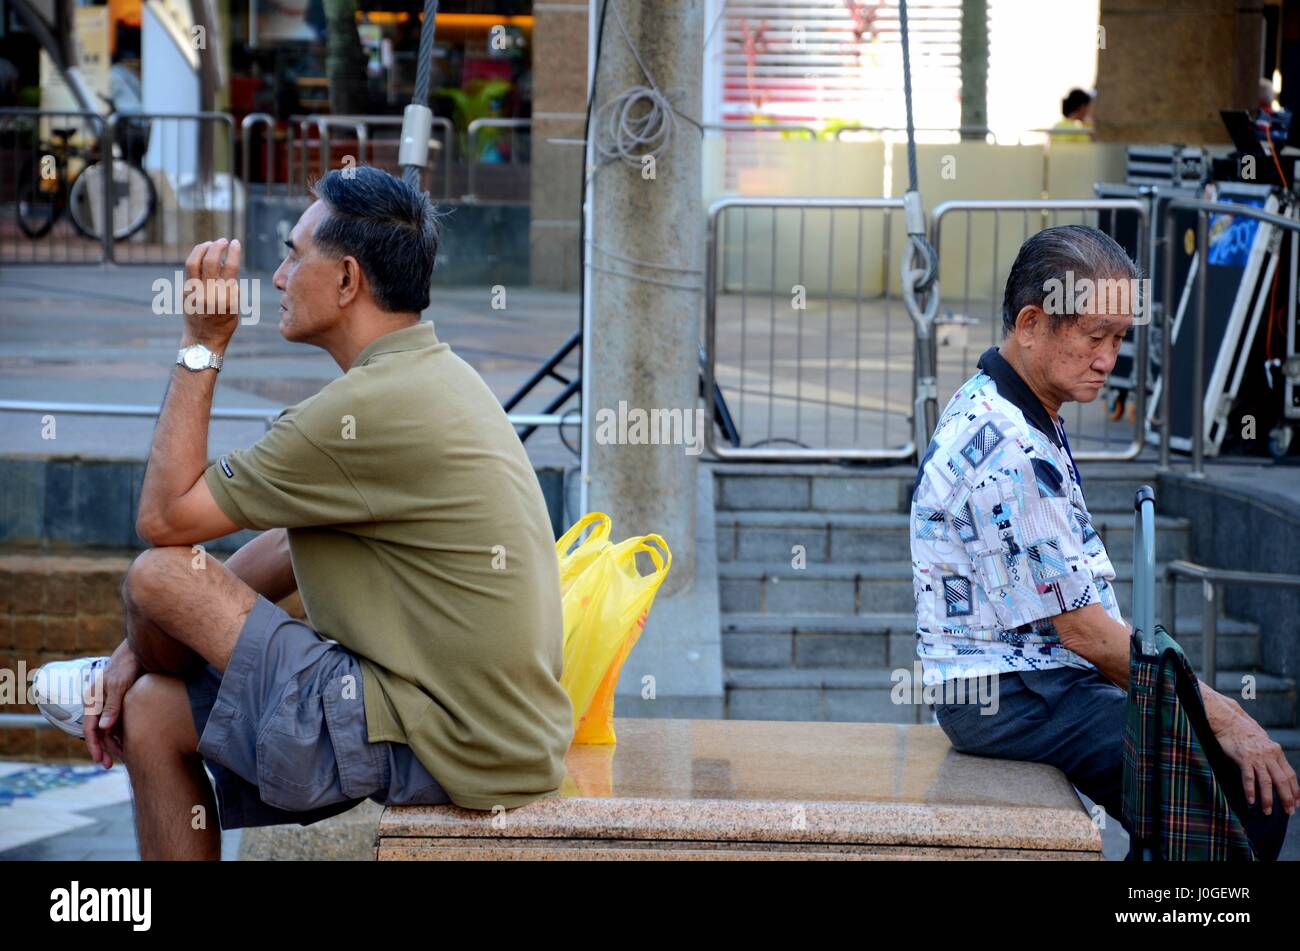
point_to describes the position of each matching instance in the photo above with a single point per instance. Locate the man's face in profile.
(308, 281)
(1081, 353)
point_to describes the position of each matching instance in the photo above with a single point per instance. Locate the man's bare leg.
(179, 617)
(183, 610)
(175, 808)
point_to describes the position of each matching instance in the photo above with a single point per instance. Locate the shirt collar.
(1014, 389)
(418, 336)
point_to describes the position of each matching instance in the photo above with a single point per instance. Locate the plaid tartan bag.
(1182, 793)
(1177, 805)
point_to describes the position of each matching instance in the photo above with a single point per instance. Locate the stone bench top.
(752, 788)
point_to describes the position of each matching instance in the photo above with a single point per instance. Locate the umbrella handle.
(1144, 569)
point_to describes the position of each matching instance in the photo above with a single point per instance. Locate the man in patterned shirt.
(1013, 586)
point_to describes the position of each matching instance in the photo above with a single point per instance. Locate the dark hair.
(391, 229)
(1049, 256)
(1076, 99)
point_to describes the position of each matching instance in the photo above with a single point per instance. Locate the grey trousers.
(1068, 717)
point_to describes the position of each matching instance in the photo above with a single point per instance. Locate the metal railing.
(193, 173)
(42, 153)
(477, 127)
(371, 148)
(760, 127)
(1034, 215)
(14, 721)
(1202, 208)
(764, 373)
(1212, 582)
(266, 415)
(128, 187)
(818, 339)
(984, 132)
(257, 120)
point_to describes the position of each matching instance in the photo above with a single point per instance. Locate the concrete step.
(879, 587)
(827, 693)
(826, 488)
(818, 694)
(773, 641)
(55, 605)
(1109, 487)
(771, 535)
(776, 641)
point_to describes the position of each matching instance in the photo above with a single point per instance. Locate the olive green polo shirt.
(421, 542)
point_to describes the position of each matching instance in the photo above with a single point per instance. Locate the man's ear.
(1027, 323)
(349, 281)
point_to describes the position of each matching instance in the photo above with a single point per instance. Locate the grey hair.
(1049, 256)
(392, 229)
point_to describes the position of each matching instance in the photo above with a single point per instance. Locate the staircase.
(820, 641)
(57, 604)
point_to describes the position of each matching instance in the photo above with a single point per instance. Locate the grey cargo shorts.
(283, 731)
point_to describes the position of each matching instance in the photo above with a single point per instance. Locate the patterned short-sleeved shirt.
(1001, 538)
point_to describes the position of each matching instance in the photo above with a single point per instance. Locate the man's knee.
(156, 716)
(155, 574)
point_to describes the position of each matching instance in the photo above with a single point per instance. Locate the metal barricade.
(959, 339)
(978, 133)
(42, 156)
(368, 140)
(510, 186)
(801, 351)
(130, 188)
(184, 164)
(257, 120)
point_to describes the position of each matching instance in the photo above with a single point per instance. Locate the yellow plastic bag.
(606, 603)
(573, 563)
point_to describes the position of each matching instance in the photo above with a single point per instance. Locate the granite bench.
(737, 789)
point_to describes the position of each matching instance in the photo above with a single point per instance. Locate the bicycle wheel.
(40, 200)
(134, 199)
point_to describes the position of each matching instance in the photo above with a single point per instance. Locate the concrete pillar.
(642, 356)
(644, 336)
(559, 104)
(974, 66)
(1169, 66)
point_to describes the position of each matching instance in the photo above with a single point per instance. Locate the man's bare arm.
(265, 566)
(1094, 635)
(176, 506)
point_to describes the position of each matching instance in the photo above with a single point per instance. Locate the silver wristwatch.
(198, 357)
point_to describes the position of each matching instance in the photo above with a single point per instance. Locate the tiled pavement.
(66, 812)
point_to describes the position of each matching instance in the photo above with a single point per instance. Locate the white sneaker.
(59, 688)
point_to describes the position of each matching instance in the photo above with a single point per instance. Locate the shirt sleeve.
(1026, 545)
(285, 480)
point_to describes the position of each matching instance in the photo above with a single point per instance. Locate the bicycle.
(69, 177)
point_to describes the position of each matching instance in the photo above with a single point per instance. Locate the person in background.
(1076, 113)
(1271, 123)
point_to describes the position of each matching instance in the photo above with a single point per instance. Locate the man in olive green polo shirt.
(400, 504)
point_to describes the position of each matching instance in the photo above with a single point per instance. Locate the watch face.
(196, 358)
